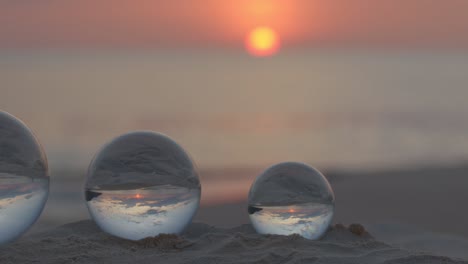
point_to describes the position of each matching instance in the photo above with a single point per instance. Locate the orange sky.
(224, 23)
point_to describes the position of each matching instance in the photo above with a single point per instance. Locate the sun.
(262, 42)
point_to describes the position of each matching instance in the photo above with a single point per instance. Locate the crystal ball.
(24, 178)
(291, 198)
(142, 184)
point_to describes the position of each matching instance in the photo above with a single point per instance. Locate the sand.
(83, 242)
(412, 209)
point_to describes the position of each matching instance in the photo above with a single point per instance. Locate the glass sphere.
(24, 178)
(291, 198)
(142, 184)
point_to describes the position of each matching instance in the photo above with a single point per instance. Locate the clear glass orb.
(24, 178)
(291, 198)
(142, 184)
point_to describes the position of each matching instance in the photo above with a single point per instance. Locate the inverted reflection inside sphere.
(142, 184)
(291, 198)
(24, 179)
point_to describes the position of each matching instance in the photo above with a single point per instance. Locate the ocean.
(236, 115)
(329, 108)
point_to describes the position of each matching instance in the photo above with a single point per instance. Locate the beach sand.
(83, 242)
(410, 210)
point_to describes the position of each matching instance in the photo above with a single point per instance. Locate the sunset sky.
(224, 23)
